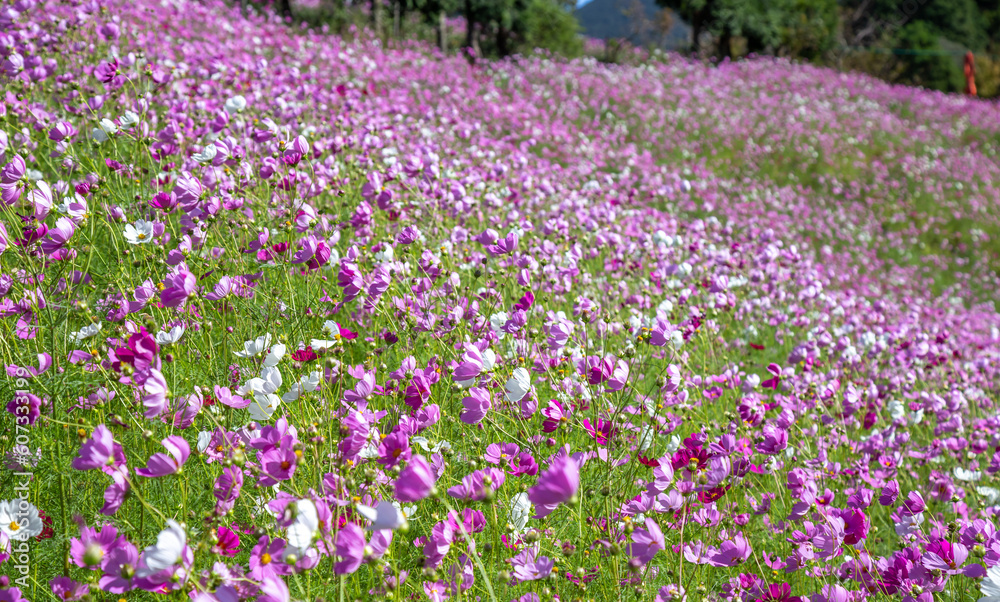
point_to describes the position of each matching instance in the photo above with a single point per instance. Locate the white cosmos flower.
(169, 337)
(489, 360)
(990, 495)
(896, 409)
(274, 355)
(255, 347)
(318, 344)
(520, 512)
(129, 119)
(409, 511)
(385, 255)
(497, 321)
(963, 474)
(676, 339)
(266, 384)
(236, 104)
(204, 438)
(207, 154)
(139, 233)
(86, 332)
(302, 531)
(263, 406)
(165, 552)
(646, 436)
(104, 130)
(990, 586)
(518, 385)
(307, 384)
(425, 444)
(19, 520)
(384, 516)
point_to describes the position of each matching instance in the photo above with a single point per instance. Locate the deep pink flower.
(778, 593)
(555, 415)
(855, 525)
(601, 432)
(229, 542)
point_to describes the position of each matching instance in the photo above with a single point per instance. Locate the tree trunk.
(469, 24)
(284, 8)
(395, 18)
(696, 35)
(725, 44)
(502, 38)
(376, 17)
(442, 33)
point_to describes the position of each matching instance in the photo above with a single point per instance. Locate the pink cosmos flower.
(93, 546)
(273, 589)
(395, 448)
(647, 542)
(555, 486)
(119, 568)
(160, 464)
(479, 485)
(477, 405)
(115, 493)
(65, 588)
(555, 415)
(266, 559)
(350, 547)
(97, 451)
(416, 481)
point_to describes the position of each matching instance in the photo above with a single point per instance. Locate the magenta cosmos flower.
(229, 542)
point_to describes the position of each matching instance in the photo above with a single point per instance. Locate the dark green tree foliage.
(803, 28)
(551, 26)
(928, 66)
(929, 36)
(505, 27)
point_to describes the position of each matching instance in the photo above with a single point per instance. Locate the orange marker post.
(970, 74)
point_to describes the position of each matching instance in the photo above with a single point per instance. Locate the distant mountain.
(637, 21)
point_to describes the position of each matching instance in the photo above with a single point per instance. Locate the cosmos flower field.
(289, 316)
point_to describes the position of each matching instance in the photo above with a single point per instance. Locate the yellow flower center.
(14, 526)
(265, 558)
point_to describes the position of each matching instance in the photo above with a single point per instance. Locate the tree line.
(920, 42)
